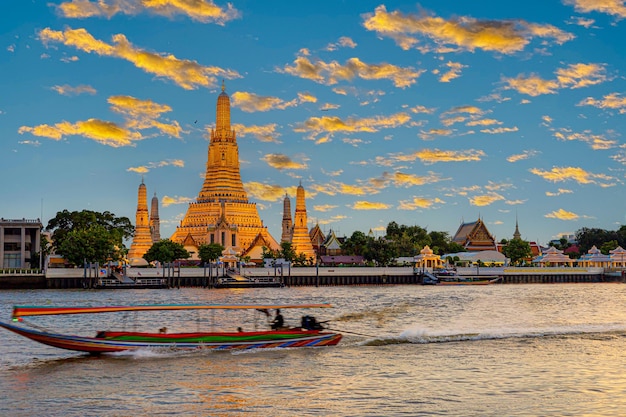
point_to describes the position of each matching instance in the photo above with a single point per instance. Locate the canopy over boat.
(25, 311)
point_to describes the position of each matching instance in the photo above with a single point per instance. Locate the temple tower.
(517, 234)
(155, 223)
(221, 213)
(287, 223)
(301, 241)
(142, 238)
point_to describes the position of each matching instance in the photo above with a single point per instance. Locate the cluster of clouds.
(421, 31)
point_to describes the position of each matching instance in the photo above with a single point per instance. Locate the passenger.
(239, 329)
(278, 321)
(163, 330)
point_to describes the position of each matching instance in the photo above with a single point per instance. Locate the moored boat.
(310, 334)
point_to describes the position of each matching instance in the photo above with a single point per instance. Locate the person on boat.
(278, 321)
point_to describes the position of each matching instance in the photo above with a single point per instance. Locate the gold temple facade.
(300, 239)
(222, 213)
(142, 238)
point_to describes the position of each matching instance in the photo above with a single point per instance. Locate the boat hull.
(124, 341)
(469, 282)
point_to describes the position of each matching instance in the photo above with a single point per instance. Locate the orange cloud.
(485, 199)
(68, 90)
(330, 73)
(265, 133)
(317, 126)
(143, 169)
(198, 10)
(596, 142)
(561, 214)
(324, 207)
(573, 76)
(612, 7)
(106, 133)
(185, 73)
(265, 192)
(610, 101)
(431, 156)
(401, 179)
(280, 161)
(560, 191)
(560, 174)
(368, 205)
(463, 33)
(522, 156)
(168, 201)
(453, 72)
(432, 133)
(250, 102)
(142, 114)
(500, 130)
(338, 188)
(418, 203)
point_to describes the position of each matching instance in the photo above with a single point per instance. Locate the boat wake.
(416, 336)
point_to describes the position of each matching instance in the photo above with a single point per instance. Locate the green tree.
(607, 247)
(166, 251)
(356, 244)
(287, 252)
(380, 251)
(119, 228)
(517, 250)
(92, 244)
(210, 252)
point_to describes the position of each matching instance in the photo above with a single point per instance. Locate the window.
(11, 246)
(12, 260)
(233, 239)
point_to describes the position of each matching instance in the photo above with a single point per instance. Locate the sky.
(432, 113)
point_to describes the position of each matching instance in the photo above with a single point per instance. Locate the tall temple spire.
(221, 213)
(301, 240)
(142, 238)
(287, 223)
(516, 234)
(222, 180)
(155, 222)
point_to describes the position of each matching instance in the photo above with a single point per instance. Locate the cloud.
(168, 201)
(103, 132)
(317, 126)
(612, 101)
(560, 191)
(338, 188)
(185, 73)
(498, 130)
(280, 161)
(431, 156)
(581, 21)
(432, 133)
(483, 122)
(330, 73)
(485, 199)
(368, 205)
(401, 179)
(573, 76)
(250, 102)
(561, 214)
(595, 141)
(462, 33)
(611, 7)
(143, 169)
(68, 90)
(142, 114)
(453, 72)
(521, 156)
(560, 174)
(264, 192)
(198, 10)
(265, 133)
(343, 42)
(419, 203)
(324, 207)
(422, 109)
(34, 143)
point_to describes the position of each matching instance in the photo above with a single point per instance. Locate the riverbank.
(60, 278)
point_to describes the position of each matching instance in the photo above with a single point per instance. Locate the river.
(497, 350)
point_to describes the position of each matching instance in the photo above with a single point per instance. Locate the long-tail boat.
(311, 333)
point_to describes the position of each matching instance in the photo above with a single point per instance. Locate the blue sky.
(428, 113)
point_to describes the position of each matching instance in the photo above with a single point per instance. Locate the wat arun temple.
(222, 213)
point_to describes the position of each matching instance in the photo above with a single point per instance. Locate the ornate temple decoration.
(142, 238)
(222, 213)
